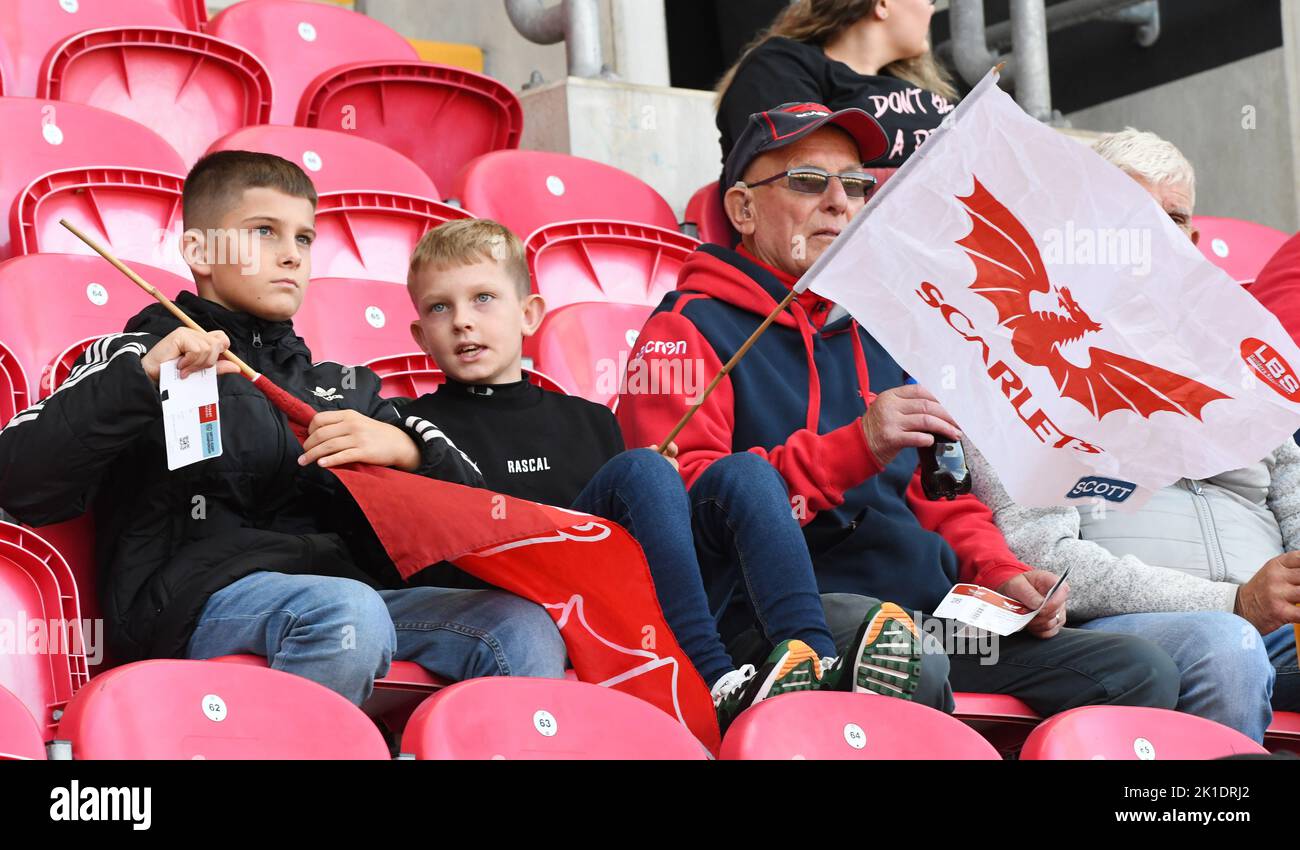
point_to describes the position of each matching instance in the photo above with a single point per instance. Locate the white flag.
(1073, 331)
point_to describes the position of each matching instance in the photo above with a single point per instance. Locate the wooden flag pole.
(726, 369)
(152, 290)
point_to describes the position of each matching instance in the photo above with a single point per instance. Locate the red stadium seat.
(32, 28)
(1128, 733)
(586, 347)
(522, 718)
(370, 236)
(193, 12)
(135, 213)
(21, 737)
(42, 136)
(1240, 248)
(5, 64)
(526, 190)
(37, 586)
(413, 375)
(706, 212)
(606, 261)
(395, 696)
(1284, 732)
(53, 301)
(165, 709)
(355, 321)
(441, 117)
(845, 726)
(190, 88)
(14, 394)
(75, 541)
(300, 40)
(335, 162)
(1003, 720)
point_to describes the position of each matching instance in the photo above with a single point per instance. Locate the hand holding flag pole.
(726, 369)
(588, 573)
(152, 290)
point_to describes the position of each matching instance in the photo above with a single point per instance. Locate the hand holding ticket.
(191, 425)
(986, 609)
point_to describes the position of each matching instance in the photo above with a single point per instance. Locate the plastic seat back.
(38, 596)
(526, 190)
(1003, 720)
(846, 726)
(135, 213)
(413, 375)
(1240, 248)
(54, 301)
(165, 709)
(30, 29)
(370, 235)
(615, 261)
(20, 735)
(1129, 733)
(190, 88)
(300, 40)
(335, 162)
(523, 718)
(44, 136)
(586, 347)
(404, 105)
(14, 394)
(354, 321)
(706, 212)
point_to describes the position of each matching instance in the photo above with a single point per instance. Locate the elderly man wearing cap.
(821, 402)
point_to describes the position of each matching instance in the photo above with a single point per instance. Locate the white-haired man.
(1209, 570)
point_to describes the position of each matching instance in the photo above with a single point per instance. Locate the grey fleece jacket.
(1187, 549)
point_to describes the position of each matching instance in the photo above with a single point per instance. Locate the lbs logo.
(1105, 488)
(1269, 365)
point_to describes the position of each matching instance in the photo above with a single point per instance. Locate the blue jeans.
(343, 635)
(1282, 653)
(733, 527)
(1225, 669)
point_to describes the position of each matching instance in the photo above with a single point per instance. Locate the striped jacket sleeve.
(440, 458)
(54, 454)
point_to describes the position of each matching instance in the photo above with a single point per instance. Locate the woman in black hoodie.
(866, 54)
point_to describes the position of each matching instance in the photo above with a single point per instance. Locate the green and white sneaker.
(886, 656)
(792, 666)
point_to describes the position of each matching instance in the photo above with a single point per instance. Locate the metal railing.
(575, 22)
(975, 48)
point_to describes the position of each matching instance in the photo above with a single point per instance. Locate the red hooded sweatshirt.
(796, 399)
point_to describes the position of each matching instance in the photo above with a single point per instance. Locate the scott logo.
(1269, 365)
(1105, 488)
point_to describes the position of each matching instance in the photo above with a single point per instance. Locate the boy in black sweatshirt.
(470, 285)
(249, 551)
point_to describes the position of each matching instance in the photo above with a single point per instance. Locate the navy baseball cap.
(790, 122)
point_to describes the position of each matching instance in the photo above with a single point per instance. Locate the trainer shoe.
(792, 666)
(885, 657)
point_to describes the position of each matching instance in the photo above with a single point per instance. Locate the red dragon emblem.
(1008, 269)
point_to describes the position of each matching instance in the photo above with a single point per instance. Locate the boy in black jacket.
(470, 285)
(249, 551)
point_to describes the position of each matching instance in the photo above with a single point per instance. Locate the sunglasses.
(809, 180)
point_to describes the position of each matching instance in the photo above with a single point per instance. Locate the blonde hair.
(821, 21)
(1145, 155)
(468, 241)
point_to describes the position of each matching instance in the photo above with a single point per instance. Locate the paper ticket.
(191, 424)
(986, 609)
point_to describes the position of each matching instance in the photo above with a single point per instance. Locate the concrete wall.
(511, 58)
(664, 136)
(1235, 125)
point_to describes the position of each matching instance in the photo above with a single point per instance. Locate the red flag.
(589, 573)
